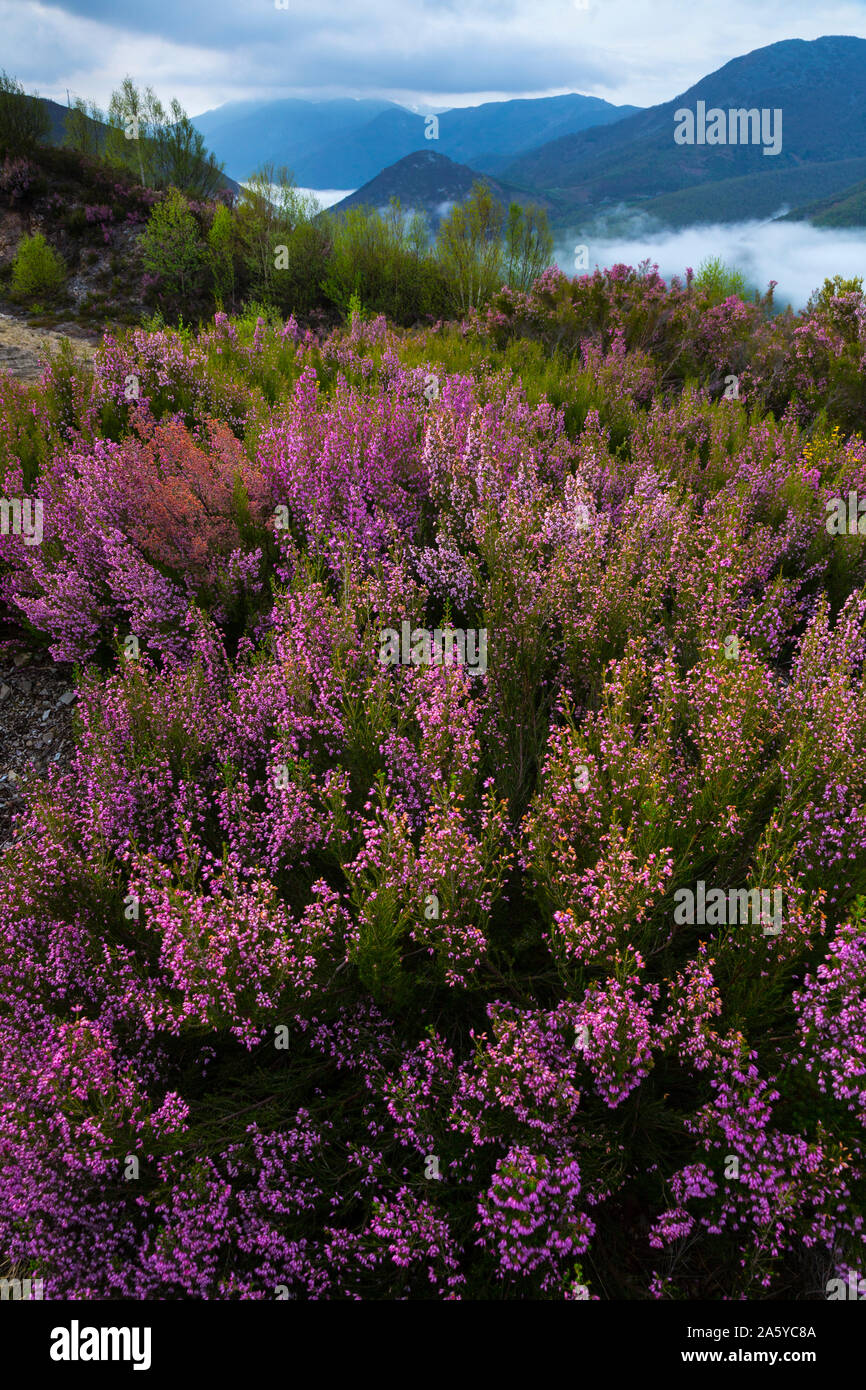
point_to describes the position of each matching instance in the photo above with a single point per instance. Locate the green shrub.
(171, 249)
(37, 269)
(383, 258)
(470, 249)
(832, 289)
(255, 309)
(528, 245)
(284, 248)
(221, 255)
(82, 131)
(720, 281)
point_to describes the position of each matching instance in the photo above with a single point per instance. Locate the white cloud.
(438, 52)
(800, 257)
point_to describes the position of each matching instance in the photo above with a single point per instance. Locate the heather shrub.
(16, 177)
(408, 977)
(136, 529)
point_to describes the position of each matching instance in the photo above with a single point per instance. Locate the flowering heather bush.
(326, 977)
(813, 360)
(16, 176)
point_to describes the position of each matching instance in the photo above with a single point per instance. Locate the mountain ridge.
(819, 84)
(368, 141)
(430, 182)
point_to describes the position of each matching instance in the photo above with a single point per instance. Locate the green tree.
(384, 259)
(172, 250)
(283, 247)
(221, 241)
(469, 249)
(720, 281)
(130, 115)
(37, 269)
(528, 245)
(298, 288)
(24, 120)
(83, 133)
(181, 158)
(161, 146)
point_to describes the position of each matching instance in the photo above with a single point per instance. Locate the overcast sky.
(420, 52)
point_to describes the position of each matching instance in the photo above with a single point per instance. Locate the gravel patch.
(37, 700)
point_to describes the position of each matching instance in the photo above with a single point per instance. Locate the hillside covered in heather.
(454, 886)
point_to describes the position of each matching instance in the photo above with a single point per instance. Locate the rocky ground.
(22, 347)
(37, 700)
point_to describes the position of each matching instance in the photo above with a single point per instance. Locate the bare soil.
(37, 700)
(23, 347)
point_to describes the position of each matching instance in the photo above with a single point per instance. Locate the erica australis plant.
(326, 976)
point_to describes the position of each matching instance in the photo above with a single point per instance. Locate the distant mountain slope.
(488, 137)
(342, 144)
(248, 134)
(58, 113)
(820, 86)
(484, 137)
(844, 209)
(756, 195)
(358, 156)
(430, 183)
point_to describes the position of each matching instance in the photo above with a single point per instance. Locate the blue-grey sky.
(420, 52)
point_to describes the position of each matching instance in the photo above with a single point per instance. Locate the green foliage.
(38, 270)
(181, 158)
(221, 243)
(83, 134)
(172, 250)
(67, 390)
(24, 441)
(528, 245)
(470, 250)
(384, 260)
(719, 281)
(833, 289)
(24, 121)
(161, 146)
(297, 288)
(282, 247)
(129, 113)
(253, 310)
